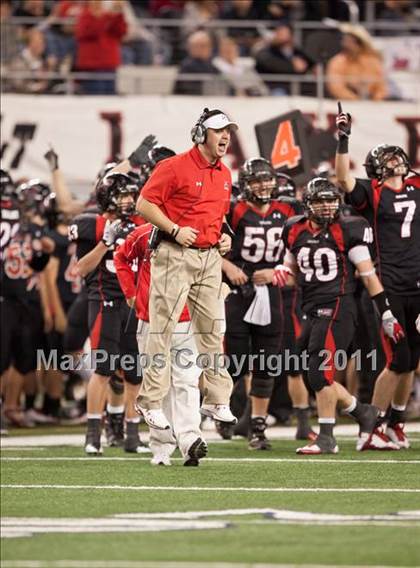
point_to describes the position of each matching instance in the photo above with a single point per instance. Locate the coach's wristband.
(343, 145)
(381, 302)
(175, 230)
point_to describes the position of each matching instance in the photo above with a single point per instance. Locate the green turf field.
(87, 494)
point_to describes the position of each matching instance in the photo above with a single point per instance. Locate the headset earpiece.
(198, 131)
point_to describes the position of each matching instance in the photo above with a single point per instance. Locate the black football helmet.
(258, 170)
(111, 188)
(32, 197)
(154, 156)
(322, 200)
(286, 185)
(7, 187)
(377, 159)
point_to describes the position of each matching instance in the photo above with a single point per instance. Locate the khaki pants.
(182, 403)
(180, 275)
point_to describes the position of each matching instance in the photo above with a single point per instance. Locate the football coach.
(186, 198)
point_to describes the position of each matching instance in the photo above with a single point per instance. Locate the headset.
(199, 131)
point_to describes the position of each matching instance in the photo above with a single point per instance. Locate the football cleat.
(258, 439)
(224, 429)
(161, 459)
(114, 429)
(322, 445)
(368, 418)
(377, 440)
(305, 434)
(154, 417)
(133, 445)
(219, 412)
(196, 451)
(396, 434)
(93, 449)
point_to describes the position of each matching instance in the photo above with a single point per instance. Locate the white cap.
(219, 121)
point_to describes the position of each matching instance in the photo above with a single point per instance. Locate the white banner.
(77, 129)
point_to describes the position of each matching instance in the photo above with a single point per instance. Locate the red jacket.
(135, 249)
(99, 40)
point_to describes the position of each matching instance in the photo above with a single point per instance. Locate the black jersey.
(69, 282)
(18, 279)
(257, 242)
(87, 231)
(325, 272)
(395, 218)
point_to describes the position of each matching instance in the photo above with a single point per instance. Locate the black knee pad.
(117, 384)
(261, 385)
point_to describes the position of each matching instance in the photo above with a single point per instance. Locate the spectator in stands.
(290, 10)
(99, 34)
(356, 72)
(282, 56)
(32, 59)
(166, 8)
(10, 43)
(238, 72)
(31, 9)
(400, 11)
(60, 37)
(197, 13)
(244, 10)
(198, 60)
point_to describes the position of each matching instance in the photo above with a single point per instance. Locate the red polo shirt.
(192, 193)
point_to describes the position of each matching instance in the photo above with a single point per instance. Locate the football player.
(390, 200)
(324, 249)
(112, 324)
(24, 308)
(254, 309)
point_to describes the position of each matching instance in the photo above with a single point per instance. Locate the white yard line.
(157, 564)
(204, 488)
(308, 460)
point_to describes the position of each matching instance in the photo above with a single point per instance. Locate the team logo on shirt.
(226, 186)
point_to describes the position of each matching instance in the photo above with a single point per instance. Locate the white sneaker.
(160, 459)
(92, 450)
(397, 435)
(218, 412)
(377, 440)
(153, 417)
(313, 449)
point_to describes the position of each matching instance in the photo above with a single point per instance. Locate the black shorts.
(403, 356)
(292, 329)
(22, 334)
(322, 337)
(77, 324)
(113, 327)
(243, 339)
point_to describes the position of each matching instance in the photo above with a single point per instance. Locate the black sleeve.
(359, 198)
(358, 232)
(83, 232)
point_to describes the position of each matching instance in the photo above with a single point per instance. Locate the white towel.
(259, 312)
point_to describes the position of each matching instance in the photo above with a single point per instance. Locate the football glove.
(110, 232)
(139, 156)
(281, 274)
(343, 122)
(392, 327)
(52, 158)
(418, 323)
